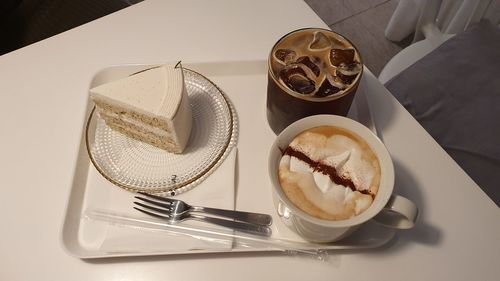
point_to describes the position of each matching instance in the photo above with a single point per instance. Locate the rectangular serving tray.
(245, 83)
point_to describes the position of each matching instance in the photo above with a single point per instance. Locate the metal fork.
(167, 214)
(179, 207)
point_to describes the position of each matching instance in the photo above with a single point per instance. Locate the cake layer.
(143, 136)
(106, 108)
(135, 125)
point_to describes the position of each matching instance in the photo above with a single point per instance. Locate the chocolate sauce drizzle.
(330, 171)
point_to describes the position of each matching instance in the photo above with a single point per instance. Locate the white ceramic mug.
(391, 210)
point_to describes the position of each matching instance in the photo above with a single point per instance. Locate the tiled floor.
(363, 22)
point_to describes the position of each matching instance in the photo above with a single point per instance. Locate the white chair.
(435, 22)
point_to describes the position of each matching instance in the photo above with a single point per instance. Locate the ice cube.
(349, 69)
(295, 78)
(336, 81)
(326, 89)
(305, 60)
(320, 41)
(348, 72)
(346, 79)
(285, 55)
(338, 56)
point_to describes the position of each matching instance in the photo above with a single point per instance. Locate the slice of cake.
(151, 106)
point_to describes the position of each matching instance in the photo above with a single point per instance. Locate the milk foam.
(346, 156)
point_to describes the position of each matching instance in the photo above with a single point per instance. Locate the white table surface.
(44, 91)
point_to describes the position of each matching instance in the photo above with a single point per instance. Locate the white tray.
(245, 84)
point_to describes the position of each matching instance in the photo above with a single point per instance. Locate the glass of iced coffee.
(311, 71)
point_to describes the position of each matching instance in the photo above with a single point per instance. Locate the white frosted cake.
(151, 106)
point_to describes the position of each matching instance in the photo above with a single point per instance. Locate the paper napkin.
(216, 191)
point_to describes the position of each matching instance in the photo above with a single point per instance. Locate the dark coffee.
(311, 71)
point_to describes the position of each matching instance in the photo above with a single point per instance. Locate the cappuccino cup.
(331, 174)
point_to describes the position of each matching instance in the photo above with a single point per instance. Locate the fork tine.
(160, 198)
(151, 213)
(164, 212)
(160, 204)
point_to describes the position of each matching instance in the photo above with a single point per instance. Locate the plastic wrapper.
(220, 235)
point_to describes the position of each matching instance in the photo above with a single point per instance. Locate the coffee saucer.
(140, 167)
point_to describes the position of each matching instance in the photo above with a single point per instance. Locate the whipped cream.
(331, 171)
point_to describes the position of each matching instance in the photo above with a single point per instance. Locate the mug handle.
(399, 213)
